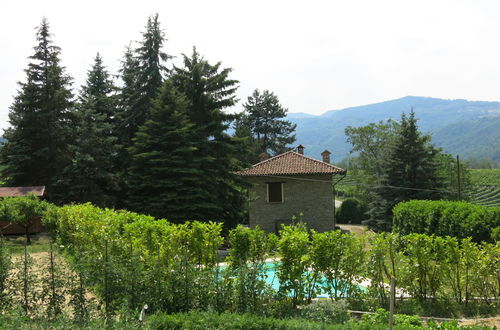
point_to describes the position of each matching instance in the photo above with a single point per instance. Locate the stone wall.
(312, 199)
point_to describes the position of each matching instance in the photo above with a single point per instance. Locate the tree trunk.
(27, 231)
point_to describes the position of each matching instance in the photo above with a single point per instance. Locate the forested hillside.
(468, 128)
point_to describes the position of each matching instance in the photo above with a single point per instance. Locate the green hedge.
(445, 218)
(352, 211)
(130, 259)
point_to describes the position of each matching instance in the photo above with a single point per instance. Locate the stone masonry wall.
(311, 198)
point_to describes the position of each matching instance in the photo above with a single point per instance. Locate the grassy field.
(486, 177)
(39, 243)
(486, 190)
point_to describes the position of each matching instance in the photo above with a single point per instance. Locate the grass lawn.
(39, 243)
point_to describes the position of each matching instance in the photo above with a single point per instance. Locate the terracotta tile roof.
(21, 191)
(291, 163)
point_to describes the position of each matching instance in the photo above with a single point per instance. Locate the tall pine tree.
(143, 73)
(36, 150)
(209, 90)
(165, 169)
(264, 119)
(92, 175)
(410, 171)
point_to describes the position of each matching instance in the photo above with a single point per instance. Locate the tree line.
(155, 141)
(394, 162)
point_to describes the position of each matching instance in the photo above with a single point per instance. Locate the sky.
(314, 55)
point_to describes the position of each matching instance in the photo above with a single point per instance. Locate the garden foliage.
(352, 211)
(22, 210)
(130, 260)
(446, 218)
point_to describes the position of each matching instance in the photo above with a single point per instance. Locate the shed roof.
(291, 163)
(21, 191)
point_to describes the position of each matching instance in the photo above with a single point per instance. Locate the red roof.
(291, 163)
(21, 191)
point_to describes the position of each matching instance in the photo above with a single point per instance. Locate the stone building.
(292, 186)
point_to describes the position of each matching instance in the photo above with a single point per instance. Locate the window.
(275, 192)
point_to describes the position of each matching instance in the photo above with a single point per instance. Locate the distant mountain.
(467, 128)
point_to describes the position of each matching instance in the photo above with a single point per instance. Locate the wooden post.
(391, 302)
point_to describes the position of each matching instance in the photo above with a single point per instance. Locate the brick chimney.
(300, 149)
(326, 156)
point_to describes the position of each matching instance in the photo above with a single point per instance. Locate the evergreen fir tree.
(36, 150)
(164, 174)
(92, 175)
(209, 90)
(411, 171)
(128, 75)
(249, 149)
(263, 117)
(143, 73)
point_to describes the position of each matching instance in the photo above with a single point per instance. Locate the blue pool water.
(271, 277)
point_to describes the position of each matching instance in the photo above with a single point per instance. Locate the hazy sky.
(315, 55)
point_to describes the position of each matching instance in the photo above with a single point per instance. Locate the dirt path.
(357, 230)
(493, 322)
(39, 272)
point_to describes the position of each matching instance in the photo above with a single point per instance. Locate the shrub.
(446, 218)
(381, 316)
(22, 211)
(339, 258)
(326, 311)
(495, 234)
(208, 320)
(352, 211)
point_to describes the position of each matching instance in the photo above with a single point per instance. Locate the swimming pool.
(270, 276)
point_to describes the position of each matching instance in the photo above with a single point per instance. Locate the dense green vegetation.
(125, 143)
(396, 163)
(22, 211)
(486, 189)
(444, 218)
(215, 321)
(352, 211)
(486, 177)
(128, 260)
(37, 147)
(171, 255)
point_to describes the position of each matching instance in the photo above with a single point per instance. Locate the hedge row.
(446, 218)
(128, 258)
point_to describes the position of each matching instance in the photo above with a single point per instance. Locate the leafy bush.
(381, 316)
(207, 320)
(22, 211)
(249, 249)
(445, 218)
(130, 259)
(495, 234)
(326, 311)
(352, 211)
(293, 270)
(339, 258)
